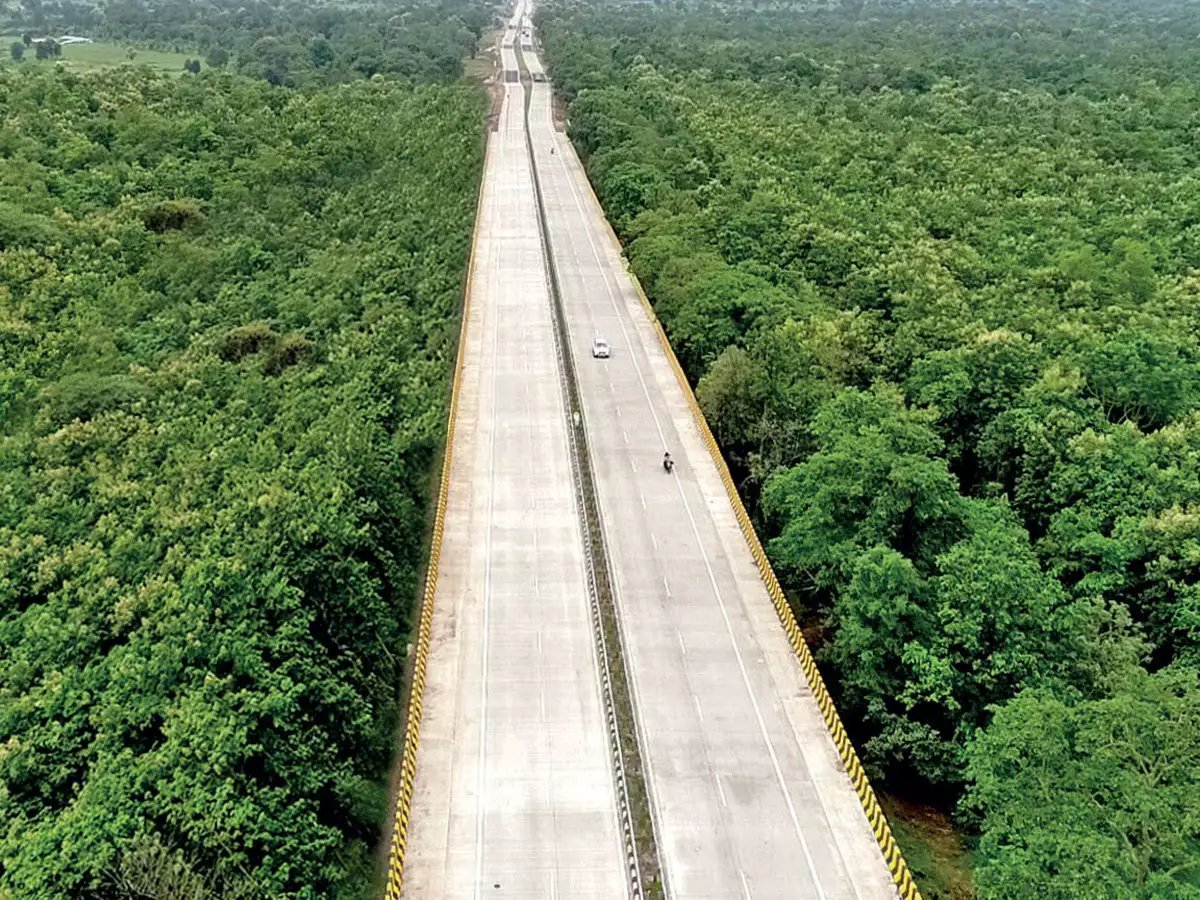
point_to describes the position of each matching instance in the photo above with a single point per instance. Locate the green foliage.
(1145, 377)
(730, 393)
(172, 215)
(18, 227)
(226, 331)
(939, 605)
(1092, 799)
(874, 479)
(297, 43)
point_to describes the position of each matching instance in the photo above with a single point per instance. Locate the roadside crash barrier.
(412, 730)
(897, 865)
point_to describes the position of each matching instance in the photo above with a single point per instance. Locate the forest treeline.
(290, 43)
(227, 319)
(931, 267)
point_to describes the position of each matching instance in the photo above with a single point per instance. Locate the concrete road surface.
(514, 795)
(749, 795)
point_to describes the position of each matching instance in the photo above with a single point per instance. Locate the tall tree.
(1092, 798)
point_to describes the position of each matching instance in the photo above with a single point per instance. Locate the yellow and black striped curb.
(858, 777)
(901, 874)
(412, 731)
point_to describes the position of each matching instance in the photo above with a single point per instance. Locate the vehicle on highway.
(600, 349)
(668, 463)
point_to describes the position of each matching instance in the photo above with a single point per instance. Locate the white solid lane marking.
(762, 725)
(745, 885)
(679, 634)
(720, 790)
(699, 711)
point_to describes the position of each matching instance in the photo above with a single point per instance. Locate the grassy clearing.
(100, 55)
(484, 64)
(482, 69)
(935, 850)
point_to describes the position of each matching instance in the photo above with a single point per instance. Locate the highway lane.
(750, 797)
(514, 793)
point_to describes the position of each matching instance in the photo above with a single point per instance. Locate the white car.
(600, 348)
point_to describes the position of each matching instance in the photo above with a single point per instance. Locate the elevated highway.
(515, 793)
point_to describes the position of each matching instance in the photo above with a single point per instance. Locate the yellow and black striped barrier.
(862, 786)
(898, 866)
(412, 730)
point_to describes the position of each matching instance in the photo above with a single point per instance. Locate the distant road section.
(514, 794)
(750, 797)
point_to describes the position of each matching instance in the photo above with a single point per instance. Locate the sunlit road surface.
(749, 794)
(514, 794)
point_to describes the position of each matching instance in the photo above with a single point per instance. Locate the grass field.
(485, 63)
(100, 55)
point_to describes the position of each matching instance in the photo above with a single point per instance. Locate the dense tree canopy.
(294, 43)
(1092, 799)
(227, 314)
(931, 268)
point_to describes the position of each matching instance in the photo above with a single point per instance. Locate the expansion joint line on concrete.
(641, 846)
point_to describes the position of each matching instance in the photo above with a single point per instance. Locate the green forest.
(228, 311)
(286, 42)
(932, 270)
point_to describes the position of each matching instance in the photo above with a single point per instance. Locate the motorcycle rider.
(668, 463)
